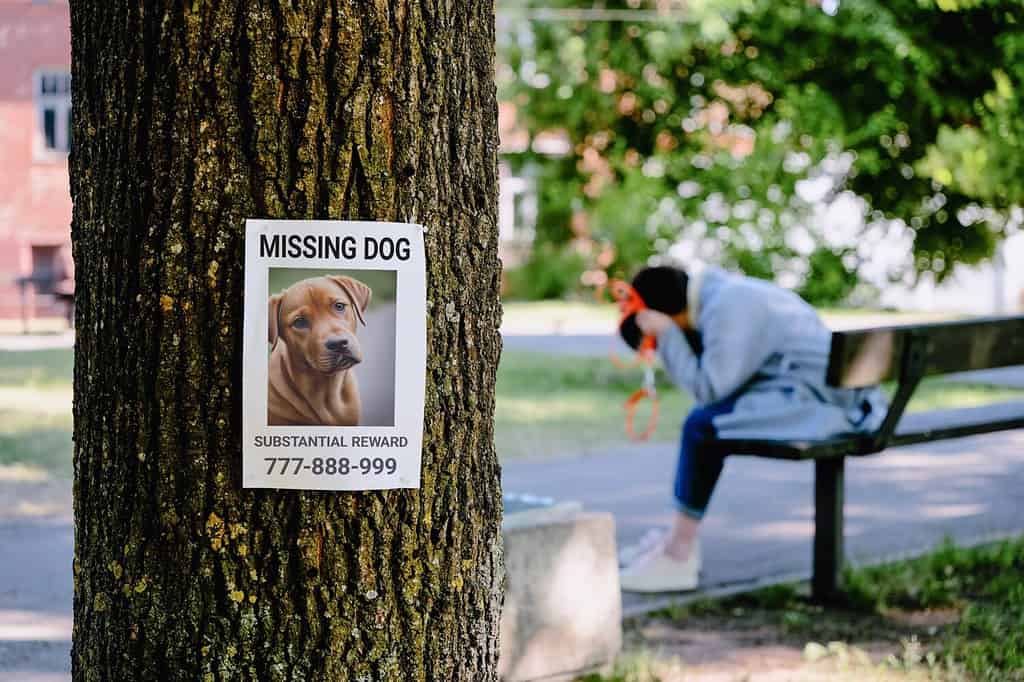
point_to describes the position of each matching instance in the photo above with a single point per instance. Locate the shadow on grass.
(45, 446)
(562, 404)
(38, 368)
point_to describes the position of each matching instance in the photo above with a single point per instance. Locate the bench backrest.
(867, 357)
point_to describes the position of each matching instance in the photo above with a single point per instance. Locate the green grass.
(546, 405)
(35, 410)
(985, 584)
(37, 369)
(956, 614)
(549, 405)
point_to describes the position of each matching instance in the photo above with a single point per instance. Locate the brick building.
(35, 136)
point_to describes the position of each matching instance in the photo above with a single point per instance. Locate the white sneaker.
(645, 545)
(662, 573)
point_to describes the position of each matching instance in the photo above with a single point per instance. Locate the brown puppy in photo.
(313, 350)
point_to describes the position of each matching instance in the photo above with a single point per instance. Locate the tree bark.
(188, 118)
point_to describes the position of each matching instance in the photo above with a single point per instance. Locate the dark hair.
(663, 289)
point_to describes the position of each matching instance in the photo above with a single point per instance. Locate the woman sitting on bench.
(754, 356)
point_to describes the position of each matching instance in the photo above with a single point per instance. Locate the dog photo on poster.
(334, 355)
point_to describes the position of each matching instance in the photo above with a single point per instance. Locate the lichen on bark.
(188, 118)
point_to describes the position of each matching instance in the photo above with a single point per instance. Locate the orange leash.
(630, 303)
(647, 390)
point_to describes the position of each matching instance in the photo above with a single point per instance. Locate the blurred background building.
(581, 180)
(35, 138)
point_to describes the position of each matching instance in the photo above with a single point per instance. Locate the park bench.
(51, 280)
(905, 354)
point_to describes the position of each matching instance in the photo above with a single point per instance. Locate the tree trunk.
(188, 118)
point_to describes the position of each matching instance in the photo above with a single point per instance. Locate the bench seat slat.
(958, 423)
(867, 357)
(914, 428)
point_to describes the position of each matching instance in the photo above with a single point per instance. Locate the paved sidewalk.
(584, 345)
(1008, 377)
(759, 526)
(760, 523)
(35, 600)
(22, 342)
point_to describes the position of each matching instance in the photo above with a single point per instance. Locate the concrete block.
(563, 607)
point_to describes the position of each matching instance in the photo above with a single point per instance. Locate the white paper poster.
(334, 355)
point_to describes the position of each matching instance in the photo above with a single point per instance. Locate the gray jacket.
(768, 347)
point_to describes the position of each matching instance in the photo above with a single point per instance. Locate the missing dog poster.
(334, 355)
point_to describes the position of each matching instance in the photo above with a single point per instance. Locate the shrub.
(551, 272)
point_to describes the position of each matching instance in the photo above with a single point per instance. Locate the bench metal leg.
(24, 308)
(828, 529)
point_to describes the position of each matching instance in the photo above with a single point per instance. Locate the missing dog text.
(333, 246)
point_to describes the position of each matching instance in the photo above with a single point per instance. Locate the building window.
(53, 113)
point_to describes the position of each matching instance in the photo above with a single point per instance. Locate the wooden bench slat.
(868, 357)
(914, 428)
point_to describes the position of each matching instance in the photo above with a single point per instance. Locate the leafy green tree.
(703, 126)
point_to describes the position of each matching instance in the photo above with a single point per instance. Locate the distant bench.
(906, 354)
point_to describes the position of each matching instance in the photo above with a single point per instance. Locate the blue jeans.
(698, 469)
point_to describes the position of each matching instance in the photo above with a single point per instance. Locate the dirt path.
(764, 645)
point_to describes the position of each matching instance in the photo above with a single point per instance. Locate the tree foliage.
(723, 129)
